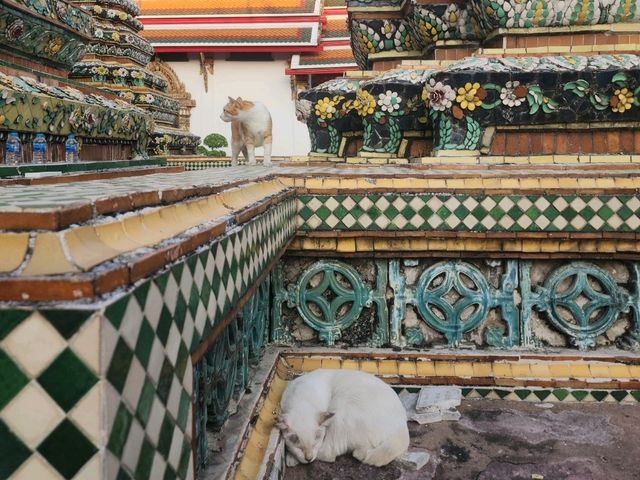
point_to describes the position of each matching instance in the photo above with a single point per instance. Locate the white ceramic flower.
(439, 95)
(389, 101)
(508, 94)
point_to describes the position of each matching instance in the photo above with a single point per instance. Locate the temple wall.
(252, 80)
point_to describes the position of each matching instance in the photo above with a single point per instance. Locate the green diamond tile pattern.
(45, 361)
(554, 395)
(469, 213)
(149, 334)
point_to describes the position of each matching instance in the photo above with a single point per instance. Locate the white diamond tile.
(633, 203)
(560, 204)
(506, 222)
(542, 221)
(86, 342)
(133, 384)
(155, 360)
(595, 203)
(542, 204)
(188, 328)
(614, 204)
(452, 203)
(524, 221)
(470, 203)
(417, 203)
(488, 204)
(173, 402)
(615, 221)
(198, 274)
(87, 413)
(578, 222)
(578, 204)
(633, 222)
(365, 204)
(488, 222)
(332, 220)
(452, 221)
(434, 204)
(314, 221)
(435, 221)
(158, 467)
(349, 203)
(153, 305)
(35, 468)
(399, 203)
(470, 221)
(560, 222)
(382, 203)
(34, 344)
(365, 220)
(348, 220)
(32, 414)
(399, 221)
(156, 418)
(176, 447)
(417, 221)
(170, 297)
(596, 222)
(524, 204)
(132, 447)
(331, 203)
(173, 343)
(314, 204)
(131, 322)
(506, 204)
(382, 221)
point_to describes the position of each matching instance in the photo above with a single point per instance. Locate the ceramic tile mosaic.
(50, 394)
(470, 213)
(132, 357)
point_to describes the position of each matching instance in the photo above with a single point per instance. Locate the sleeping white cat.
(327, 413)
(250, 128)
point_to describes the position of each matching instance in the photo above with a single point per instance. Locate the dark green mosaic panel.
(470, 213)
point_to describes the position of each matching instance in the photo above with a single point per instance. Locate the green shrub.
(211, 144)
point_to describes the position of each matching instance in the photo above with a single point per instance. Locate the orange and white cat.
(250, 128)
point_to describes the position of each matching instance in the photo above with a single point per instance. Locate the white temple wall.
(252, 80)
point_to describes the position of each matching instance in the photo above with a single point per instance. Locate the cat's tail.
(391, 448)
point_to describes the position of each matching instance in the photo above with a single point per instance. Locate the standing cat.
(328, 413)
(250, 128)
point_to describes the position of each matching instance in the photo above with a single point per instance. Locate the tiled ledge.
(89, 176)
(19, 170)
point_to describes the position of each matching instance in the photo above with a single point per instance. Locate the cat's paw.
(290, 460)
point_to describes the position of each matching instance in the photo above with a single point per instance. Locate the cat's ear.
(232, 100)
(324, 418)
(239, 100)
(281, 422)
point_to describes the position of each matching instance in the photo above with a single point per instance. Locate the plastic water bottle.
(39, 149)
(71, 149)
(13, 149)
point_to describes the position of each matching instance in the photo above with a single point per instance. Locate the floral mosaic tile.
(470, 213)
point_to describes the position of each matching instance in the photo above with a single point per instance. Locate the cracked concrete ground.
(502, 440)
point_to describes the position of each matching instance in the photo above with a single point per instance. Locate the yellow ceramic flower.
(122, 16)
(326, 107)
(115, 36)
(2, 119)
(102, 70)
(468, 97)
(54, 46)
(622, 100)
(364, 103)
(97, 9)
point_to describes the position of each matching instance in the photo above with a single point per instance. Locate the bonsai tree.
(211, 144)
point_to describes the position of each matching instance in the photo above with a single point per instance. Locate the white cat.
(250, 127)
(327, 413)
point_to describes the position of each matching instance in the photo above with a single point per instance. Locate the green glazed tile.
(145, 461)
(115, 311)
(501, 393)
(141, 293)
(466, 391)
(180, 312)
(183, 465)
(542, 394)
(169, 474)
(635, 394)
(145, 402)
(14, 452)
(176, 271)
(123, 475)
(11, 379)
(183, 410)
(579, 394)
(619, 395)
(164, 382)
(560, 393)
(522, 393)
(10, 320)
(483, 392)
(144, 343)
(164, 325)
(67, 379)
(64, 439)
(182, 361)
(599, 395)
(120, 430)
(119, 367)
(67, 322)
(161, 281)
(194, 300)
(166, 435)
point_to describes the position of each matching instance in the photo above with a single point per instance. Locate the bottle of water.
(39, 149)
(13, 149)
(71, 149)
